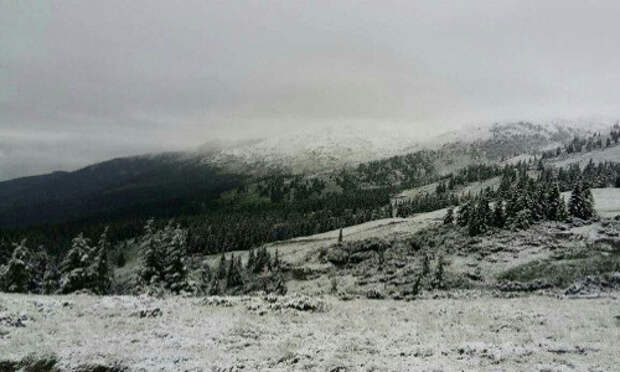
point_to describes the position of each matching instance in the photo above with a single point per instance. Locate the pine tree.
(426, 264)
(554, 203)
(18, 275)
(175, 272)
(449, 217)
(522, 220)
(233, 277)
(251, 261)
(581, 204)
(151, 271)
(204, 283)
(51, 278)
(417, 285)
(589, 202)
(221, 268)
(499, 218)
(102, 268)
(562, 210)
(75, 267)
(276, 261)
(439, 273)
(464, 214)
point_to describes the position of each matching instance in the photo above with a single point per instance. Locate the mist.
(84, 81)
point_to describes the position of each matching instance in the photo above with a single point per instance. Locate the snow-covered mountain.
(313, 150)
(317, 150)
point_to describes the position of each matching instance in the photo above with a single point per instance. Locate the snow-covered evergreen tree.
(75, 267)
(426, 264)
(499, 218)
(18, 274)
(151, 271)
(175, 271)
(251, 261)
(221, 268)
(51, 279)
(554, 203)
(101, 268)
(233, 274)
(439, 280)
(276, 261)
(581, 203)
(464, 213)
(449, 217)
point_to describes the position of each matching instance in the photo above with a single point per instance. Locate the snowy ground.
(181, 334)
(598, 155)
(473, 188)
(470, 330)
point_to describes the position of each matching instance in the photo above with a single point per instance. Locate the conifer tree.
(221, 268)
(102, 268)
(233, 277)
(426, 264)
(499, 218)
(51, 279)
(75, 267)
(554, 203)
(439, 272)
(251, 261)
(175, 272)
(581, 204)
(464, 214)
(449, 217)
(276, 261)
(205, 278)
(18, 275)
(417, 285)
(562, 210)
(151, 271)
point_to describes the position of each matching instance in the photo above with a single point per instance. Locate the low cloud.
(115, 78)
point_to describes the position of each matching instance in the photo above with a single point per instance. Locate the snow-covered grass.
(473, 188)
(598, 155)
(524, 334)
(607, 201)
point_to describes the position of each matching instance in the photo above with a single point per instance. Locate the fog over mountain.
(86, 81)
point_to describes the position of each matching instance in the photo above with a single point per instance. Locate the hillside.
(512, 301)
(153, 184)
(136, 187)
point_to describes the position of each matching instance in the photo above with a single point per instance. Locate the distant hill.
(150, 185)
(174, 184)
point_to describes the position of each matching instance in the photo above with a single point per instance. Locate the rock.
(13, 320)
(614, 278)
(101, 368)
(375, 294)
(31, 363)
(148, 313)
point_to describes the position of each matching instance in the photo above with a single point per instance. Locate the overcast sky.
(82, 81)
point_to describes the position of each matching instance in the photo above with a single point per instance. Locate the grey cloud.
(129, 77)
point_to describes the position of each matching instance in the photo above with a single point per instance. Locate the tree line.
(522, 201)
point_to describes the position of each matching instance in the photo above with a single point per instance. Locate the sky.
(84, 81)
